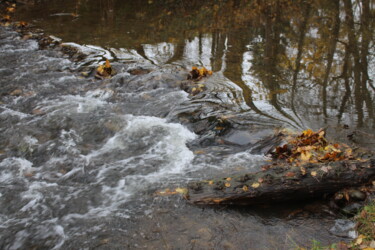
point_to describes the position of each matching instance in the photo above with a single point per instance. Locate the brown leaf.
(16, 92)
(11, 9)
(290, 174)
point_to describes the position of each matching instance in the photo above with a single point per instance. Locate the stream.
(83, 160)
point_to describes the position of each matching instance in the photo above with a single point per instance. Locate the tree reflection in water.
(301, 62)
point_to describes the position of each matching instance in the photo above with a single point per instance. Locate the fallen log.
(282, 182)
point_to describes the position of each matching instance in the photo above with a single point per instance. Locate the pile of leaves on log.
(307, 166)
(312, 147)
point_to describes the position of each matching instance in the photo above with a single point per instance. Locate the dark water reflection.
(307, 63)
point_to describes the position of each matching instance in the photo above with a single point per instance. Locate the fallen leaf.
(210, 182)
(227, 184)
(199, 152)
(5, 18)
(16, 92)
(104, 241)
(303, 170)
(307, 133)
(359, 240)
(105, 70)
(37, 112)
(324, 169)
(245, 188)
(290, 174)
(197, 74)
(10, 9)
(321, 133)
(305, 156)
(255, 185)
(181, 190)
(228, 179)
(22, 24)
(347, 196)
(313, 173)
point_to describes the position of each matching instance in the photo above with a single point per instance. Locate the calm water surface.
(82, 158)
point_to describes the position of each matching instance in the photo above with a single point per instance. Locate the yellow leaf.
(308, 132)
(228, 179)
(100, 69)
(211, 182)
(313, 173)
(181, 190)
(255, 185)
(227, 184)
(245, 188)
(303, 170)
(359, 240)
(305, 156)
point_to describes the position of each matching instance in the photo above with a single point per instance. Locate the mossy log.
(280, 182)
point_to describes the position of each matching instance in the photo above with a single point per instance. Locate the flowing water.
(82, 159)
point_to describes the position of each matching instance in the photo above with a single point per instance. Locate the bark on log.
(282, 183)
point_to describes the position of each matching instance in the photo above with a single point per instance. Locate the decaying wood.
(278, 183)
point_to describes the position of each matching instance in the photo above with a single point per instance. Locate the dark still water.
(306, 63)
(83, 160)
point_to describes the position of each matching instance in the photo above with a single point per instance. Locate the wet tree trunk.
(280, 183)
